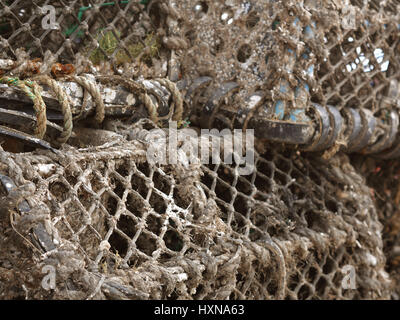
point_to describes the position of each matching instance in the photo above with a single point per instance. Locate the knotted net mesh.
(127, 229)
(115, 226)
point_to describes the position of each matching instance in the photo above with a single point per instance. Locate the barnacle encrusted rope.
(94, 92)
(32, 90)
(65, 106)
(171, 86)
(135, 88)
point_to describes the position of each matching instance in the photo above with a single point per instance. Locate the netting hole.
(241, 205)
(311, 274)
(59, 190)
(207, 179)
(118, 187)
(283, 165)
(96, 183)
(272, 231)
(304, 292)
(173, 241)
(244, 53)
(155, 14)
(127, 225)
(146, 244)
(72, 180)
(199, 291)
(265, 168)
(119, 245)
(262, 184)
(297, 191)
(134, 205)
(346, 88)
(281, 178)
(294, 281)
(258, 219)
(337, 278)
(225, 174)
(243, 186)
(329, 266)
(315, 221)
(353, 102)
(154, 224)
(181, 201)
(89, 242)
(223, 192)
(272, 288)
(158, 203)
(331, 205)
(85, 198)
(321, 286)
(239, 224)
(122, 168)
(112, 205)
(139, 185)
(161, 183)
(144, 168)
(335, 55)
(350, 251)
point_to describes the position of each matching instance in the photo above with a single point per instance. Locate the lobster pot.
(114, 225)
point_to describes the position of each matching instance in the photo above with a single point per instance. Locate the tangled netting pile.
(115, 226)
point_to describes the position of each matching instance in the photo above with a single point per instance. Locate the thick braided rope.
(94, 92)
(32, 90)
(65, 106)
(171, 86)
(135, 88)
(40, 109)
(84, 108)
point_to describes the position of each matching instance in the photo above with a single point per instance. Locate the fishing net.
(113, 225)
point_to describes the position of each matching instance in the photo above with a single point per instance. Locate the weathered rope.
(32, 90)
(86, 106)
(135, 88)
(171, 86)
(65, 106)
(94, 91)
